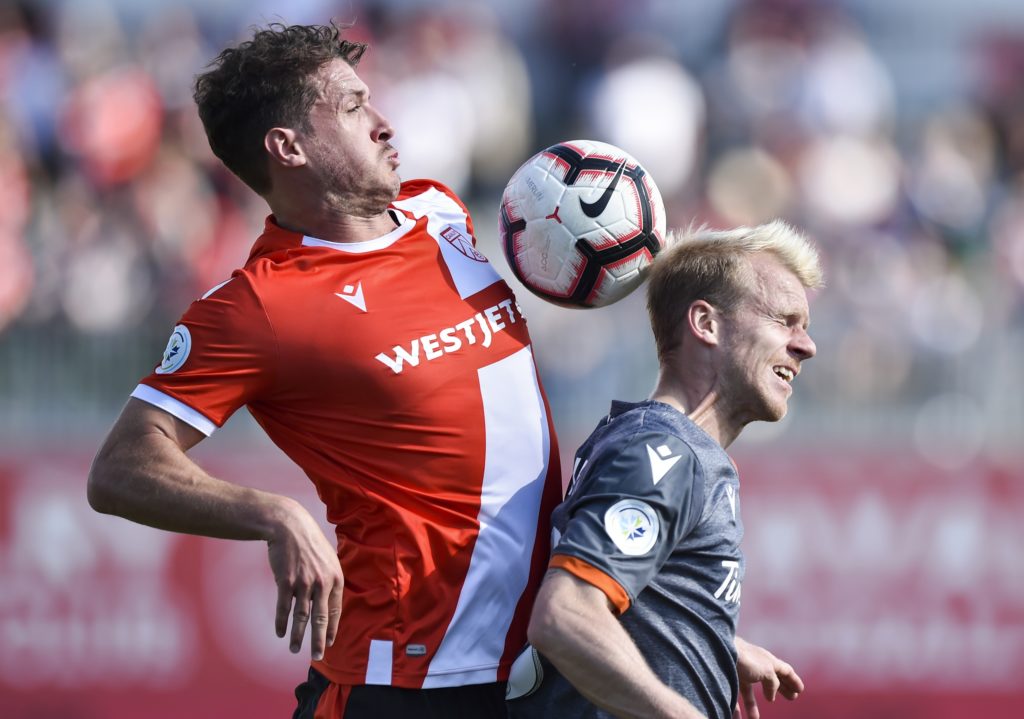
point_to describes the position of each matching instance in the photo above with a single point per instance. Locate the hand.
(307, 572)
(757, 665)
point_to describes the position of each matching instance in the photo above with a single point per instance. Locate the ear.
(284, 147)
(704, 323)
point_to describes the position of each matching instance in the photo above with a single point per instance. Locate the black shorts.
(369, 701)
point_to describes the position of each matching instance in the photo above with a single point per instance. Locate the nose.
(382, 130)
(802, 345)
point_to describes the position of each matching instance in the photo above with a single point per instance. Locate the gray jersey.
(653, 509)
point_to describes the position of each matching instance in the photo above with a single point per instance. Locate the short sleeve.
(640, 497)
(220, 356)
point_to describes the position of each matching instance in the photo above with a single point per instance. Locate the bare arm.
(574, 627)
(142, 473)
(756, 665)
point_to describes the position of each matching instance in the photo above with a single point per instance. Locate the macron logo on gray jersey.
(661, 461)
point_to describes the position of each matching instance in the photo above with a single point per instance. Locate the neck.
(703, 405)
(336, 227)
(328, 216)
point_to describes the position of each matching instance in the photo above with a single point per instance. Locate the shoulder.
(240, 287)
(414, 188)
(658, 418)
(234, 305)
(642, 448)
(428, 195)
(644, 423)
(638, 449)
(655, 451)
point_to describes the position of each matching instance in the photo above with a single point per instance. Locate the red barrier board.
(894, 588)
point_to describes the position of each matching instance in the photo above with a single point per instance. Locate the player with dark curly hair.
(266, 82)
(382, 353)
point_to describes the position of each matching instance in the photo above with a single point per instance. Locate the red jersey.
(398, 374)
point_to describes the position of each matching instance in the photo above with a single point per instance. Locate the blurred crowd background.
(890, 132)
(893, 133)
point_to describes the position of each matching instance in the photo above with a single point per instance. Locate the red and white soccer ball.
(581, 222)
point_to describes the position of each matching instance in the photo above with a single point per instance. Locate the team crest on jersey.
(178, 347)
(633, 526)
(462, 243)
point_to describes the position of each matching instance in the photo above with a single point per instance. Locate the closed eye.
(794, 320)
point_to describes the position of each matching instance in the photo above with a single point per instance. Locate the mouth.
(391, 155)
(785, 373)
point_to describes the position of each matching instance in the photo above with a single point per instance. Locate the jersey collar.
(275, 238)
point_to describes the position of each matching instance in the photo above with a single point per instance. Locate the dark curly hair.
(263, 83)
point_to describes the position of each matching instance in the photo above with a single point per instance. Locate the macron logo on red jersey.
(480, 328)
(353, 295)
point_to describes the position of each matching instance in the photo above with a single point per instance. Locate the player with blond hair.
(637, 613)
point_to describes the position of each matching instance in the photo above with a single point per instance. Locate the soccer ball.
(580, 223)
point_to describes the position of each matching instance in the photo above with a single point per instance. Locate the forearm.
(605, 667)
(588, 645)
(147, 478)
(142, 473)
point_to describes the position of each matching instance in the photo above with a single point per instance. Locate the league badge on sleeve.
(633, 526)
(178, 347)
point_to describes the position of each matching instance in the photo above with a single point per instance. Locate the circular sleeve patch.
(178, 347)
(633, 526)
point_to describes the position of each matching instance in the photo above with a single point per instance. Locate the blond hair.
(702, 264)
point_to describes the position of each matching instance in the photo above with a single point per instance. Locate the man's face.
(348, 144)
(764, 341)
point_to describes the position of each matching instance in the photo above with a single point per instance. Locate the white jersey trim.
(175, 407)
(462, 677)
(515, 471)
(215, 288)
(358, 248)
(470, 270)
(379, 662)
